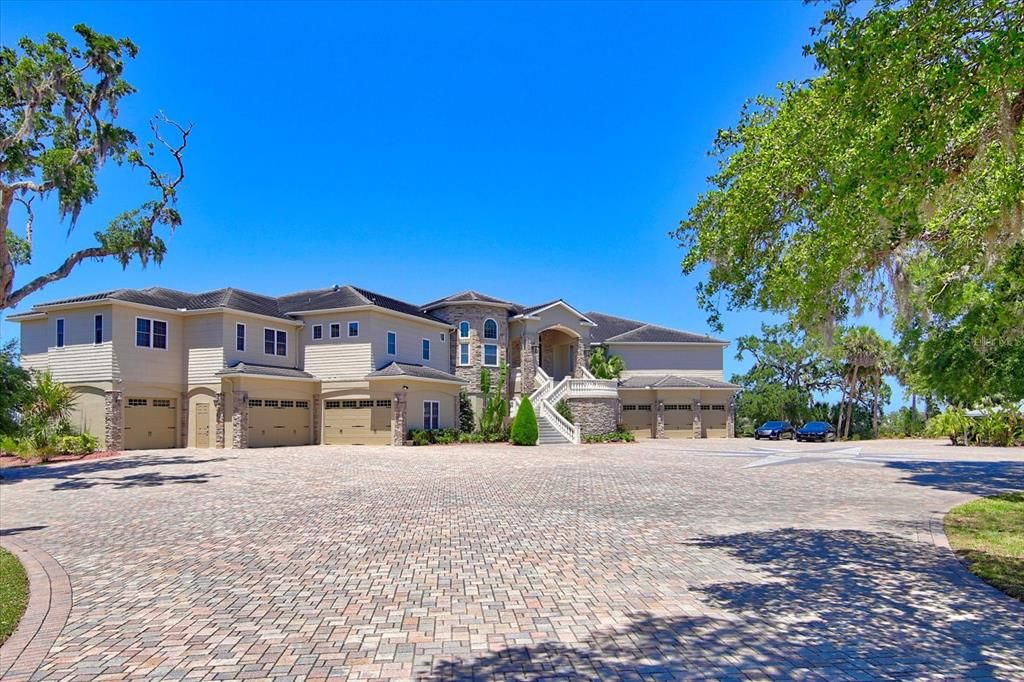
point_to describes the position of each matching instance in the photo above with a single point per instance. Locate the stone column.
(730, 417)
(528, 367)
(240, 419)
(317, 419)
(218, 427)
(398, 410)
(698, 430)
(183, 408)
(113, 421)
(581, 360)
(659, 418)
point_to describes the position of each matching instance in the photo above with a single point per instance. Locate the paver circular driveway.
(655, 561)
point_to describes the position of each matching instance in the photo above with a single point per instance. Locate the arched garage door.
(150, 423)
(275, 422)
(357, 422)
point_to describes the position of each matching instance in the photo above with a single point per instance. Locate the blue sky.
(530, 151)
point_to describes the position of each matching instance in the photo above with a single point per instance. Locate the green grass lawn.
(13, 593)
(989, 534)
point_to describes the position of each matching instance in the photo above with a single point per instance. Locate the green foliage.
(495, 411)
(13, 593)
(562, 407)
(434, 436)
(468, 437)
(15, 384)
(604, 365)
(893, 180)
(952, 424)
(989, 535)
(525, 429)
(466, 418)
(903, 423)
(620, 435)
(59, 105)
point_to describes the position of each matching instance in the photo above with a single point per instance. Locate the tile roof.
(673, 381)
(246, 369)
(404, 369)
(620, 329)
(469, 296)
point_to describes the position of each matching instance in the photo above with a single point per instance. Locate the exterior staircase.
(554, 428)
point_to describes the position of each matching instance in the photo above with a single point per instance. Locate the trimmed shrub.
(620, 435)
(525, 430)
(562, 408)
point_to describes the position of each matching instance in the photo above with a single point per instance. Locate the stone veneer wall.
(240, 419)
(113, 421)
(475, 315)
(398, 418)
(595, 416)
(218, 409)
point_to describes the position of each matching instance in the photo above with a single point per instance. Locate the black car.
(774, 431)
(822, 431)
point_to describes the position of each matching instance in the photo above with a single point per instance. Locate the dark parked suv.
(822, 431)
(775, 431)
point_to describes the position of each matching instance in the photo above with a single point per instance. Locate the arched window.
(490, 329)
(463, 330)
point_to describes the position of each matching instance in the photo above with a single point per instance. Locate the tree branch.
(60, 273)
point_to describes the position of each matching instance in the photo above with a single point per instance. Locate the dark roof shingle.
(673, 381)
(620, 329)
(469, 296)
(243, 369)
(404, 369)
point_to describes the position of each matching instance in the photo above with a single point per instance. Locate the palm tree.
(865, 358)
(605, 366)
(50, 401)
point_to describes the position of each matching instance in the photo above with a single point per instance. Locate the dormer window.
(490, 329)
(463, 330)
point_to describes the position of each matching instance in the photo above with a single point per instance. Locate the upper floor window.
(463, 354)
(150, 333)
(490, 329)
(240, 337)
(353, 329)
(97, 329)
(275, 342)
(491, 354)
(318, 332)
(463, 330)
(335, 330)
(426, 349)
(392, 343)
(60, 333)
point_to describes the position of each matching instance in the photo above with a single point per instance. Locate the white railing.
(587, 374)
(593, 388)
(570, 432)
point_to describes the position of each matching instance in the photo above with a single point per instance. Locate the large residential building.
(159, 368)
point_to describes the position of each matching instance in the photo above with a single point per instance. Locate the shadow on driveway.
(826, 605)
(93, 472)
(975, 478)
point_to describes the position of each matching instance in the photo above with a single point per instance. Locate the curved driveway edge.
(49, 603)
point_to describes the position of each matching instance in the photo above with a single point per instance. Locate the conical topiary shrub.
(524, 428)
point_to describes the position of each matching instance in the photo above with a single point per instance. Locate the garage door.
(637, 418)
(712, 419)
(678, 420)
(150, 423)
(357, 422)
(274, 422)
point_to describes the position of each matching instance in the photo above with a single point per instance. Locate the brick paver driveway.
(654, 561)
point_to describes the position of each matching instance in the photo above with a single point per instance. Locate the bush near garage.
(620, 435)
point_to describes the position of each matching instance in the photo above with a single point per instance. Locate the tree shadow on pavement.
(975, 478)
(147, 480)
(821, 604)
(69, 474)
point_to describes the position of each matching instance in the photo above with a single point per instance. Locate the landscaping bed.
(11, 461)
(988, 534)
(13, 593)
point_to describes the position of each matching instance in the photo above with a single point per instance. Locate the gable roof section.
(348, 297)
(468, 296)
(533, 310)
(405, 369)
(612, 329)
(264, 371)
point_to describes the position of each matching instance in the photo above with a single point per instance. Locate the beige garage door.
(150, 423)
(274, 422)
(357, 422)
(712, 419)
(637, 418)
(678, 420)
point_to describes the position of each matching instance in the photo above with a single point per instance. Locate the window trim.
(330, 330)
(314, 329)
(469, 328)
(152, 326)
(97, 318)
(276, 332)
(388, 345)
(483, 329)
(244, 337)
(435, 414)
(60, 333)
(497, 355)
(425, 349)
(348, 329)
(469, 355)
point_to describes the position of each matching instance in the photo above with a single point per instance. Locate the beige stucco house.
(159, 368)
